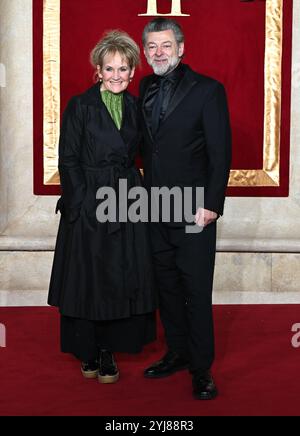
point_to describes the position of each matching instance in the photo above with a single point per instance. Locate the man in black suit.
(187, 143)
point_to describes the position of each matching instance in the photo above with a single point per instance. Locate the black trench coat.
(101, 271)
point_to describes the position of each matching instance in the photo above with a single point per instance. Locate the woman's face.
(115, 73)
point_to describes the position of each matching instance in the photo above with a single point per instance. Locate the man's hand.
(205, 217)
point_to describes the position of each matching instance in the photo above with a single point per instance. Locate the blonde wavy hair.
(116, 41)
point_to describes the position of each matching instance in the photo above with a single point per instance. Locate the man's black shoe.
(168, 365)
(204, 387)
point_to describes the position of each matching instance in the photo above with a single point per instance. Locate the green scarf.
(114, 105)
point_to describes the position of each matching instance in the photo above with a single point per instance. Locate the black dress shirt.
(166, 85)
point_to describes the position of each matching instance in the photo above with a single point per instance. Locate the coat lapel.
(117, 137)
(129, 128)
(186, 84)
(184, 87)
(93, 98)
(147, 85)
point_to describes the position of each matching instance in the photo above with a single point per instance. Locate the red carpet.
(257, 370)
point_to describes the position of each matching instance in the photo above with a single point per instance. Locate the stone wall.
(258, 257)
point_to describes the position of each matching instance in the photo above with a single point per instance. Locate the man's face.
(162, 51)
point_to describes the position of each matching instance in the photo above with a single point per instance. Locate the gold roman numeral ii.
(175, 11)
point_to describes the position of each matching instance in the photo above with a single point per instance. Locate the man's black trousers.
(184, 267)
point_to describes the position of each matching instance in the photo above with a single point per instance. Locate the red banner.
(228, 40)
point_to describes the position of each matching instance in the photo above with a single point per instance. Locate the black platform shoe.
(204, 387)
(90, 369)
(168, 365)
(108, 370)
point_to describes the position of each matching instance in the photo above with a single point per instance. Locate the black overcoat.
(101, 271)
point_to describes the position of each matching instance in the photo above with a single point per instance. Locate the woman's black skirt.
(84, 338)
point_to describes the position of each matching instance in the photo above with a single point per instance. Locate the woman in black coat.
(102, 271)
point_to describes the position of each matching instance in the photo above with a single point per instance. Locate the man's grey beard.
(164, 69)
